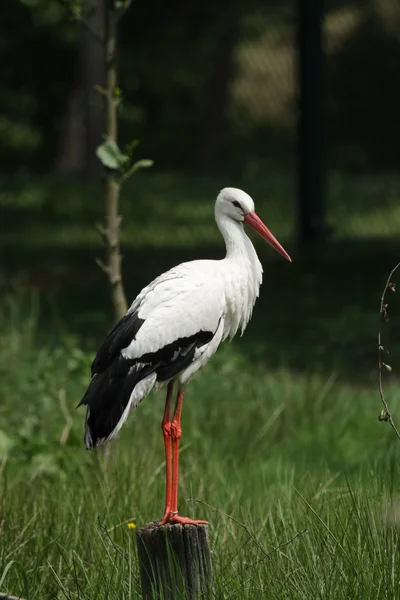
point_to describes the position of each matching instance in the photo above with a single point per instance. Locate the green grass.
(281, 452)
(280, 430)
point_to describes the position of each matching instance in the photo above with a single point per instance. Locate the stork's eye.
(237, 204)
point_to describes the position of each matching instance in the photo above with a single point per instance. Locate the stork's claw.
(174, 519)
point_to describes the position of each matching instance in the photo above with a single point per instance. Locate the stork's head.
(239, 206)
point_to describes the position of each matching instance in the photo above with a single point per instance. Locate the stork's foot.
(175, 519)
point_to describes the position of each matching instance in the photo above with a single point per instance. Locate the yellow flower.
(131, 525)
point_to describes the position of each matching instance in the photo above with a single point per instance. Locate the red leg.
(166, 429)
(176, 433)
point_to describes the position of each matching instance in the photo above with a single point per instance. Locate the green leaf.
(77, 8)
(6, 569)
(110, 155)
(117, 96)
(143, 163)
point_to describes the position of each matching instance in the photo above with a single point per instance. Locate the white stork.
(172, 329)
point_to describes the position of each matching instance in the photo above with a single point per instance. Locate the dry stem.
(67, 416)
(107, 534)
(110, 233)
(81, 18)
(385, 414)
(250, 533)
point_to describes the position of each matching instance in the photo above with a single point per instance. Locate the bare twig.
(326, 527)
(126, 522)
(274, 549)
(68, 419)
(102, 266)
(85, 23)
(8, 597)
(248, 531)
(252, 537)
(103, 233)
(114, 545)
(81, 18)
(121, 11)
(110, 232)
(283, 544)
(242, 525)
(385, 414)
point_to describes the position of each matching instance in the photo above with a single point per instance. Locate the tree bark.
(97, 81)
(113, 183)
(84, 120)
(72, 152)
(93, 74)
(175, 562)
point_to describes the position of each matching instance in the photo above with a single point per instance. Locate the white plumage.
(177, 322)
(202, 294)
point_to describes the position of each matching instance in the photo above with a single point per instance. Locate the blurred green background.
(281, 429)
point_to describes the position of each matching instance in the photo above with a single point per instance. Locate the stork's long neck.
(238, 245)
(243, 271)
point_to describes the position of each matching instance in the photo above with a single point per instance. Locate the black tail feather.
(108, 396)
(115, 377)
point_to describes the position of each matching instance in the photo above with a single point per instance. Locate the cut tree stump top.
(175, 562)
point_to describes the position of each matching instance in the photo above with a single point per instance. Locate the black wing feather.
(115, 377)
(108, 396)
(119, 338)
(178, 355)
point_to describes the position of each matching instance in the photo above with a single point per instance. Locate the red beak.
(255, 223)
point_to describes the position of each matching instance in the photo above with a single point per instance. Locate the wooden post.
(175, 562)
